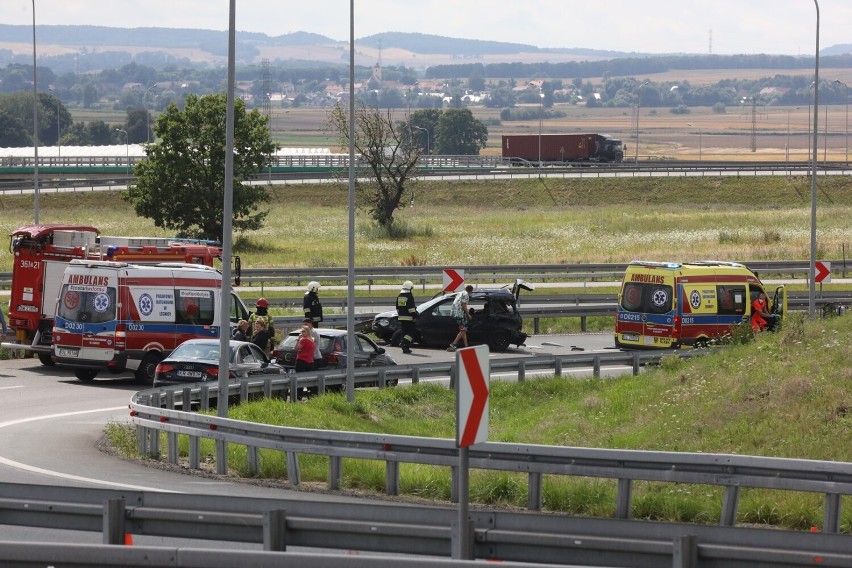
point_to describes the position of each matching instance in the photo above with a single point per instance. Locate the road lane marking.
(66, 476)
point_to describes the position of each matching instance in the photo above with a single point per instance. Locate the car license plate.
(630, 337)
(190, 374)
(67, 352)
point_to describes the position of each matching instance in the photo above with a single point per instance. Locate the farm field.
(546, 221)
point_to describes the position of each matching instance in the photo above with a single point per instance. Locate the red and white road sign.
(453, 279)
(823, 272)
(474, 374)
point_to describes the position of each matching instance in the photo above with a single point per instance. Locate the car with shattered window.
(496, 320)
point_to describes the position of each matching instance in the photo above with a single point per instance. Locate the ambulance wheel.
(46, 360)
(145, 372)
(85, 375)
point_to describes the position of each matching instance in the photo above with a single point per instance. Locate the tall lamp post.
(427, 136)
(638, 100)
(148, 116)
(126, 152)
(35, 125)
(846, 93)
(811, 283)
(788, 135)
(540, 117)
(58, 124)
(813, 84)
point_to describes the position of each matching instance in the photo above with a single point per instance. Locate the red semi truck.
(40, 255)
(562, 148)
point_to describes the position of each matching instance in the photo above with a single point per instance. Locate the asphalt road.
(50, 423)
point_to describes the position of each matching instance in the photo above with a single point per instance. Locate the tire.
(85, 375)
(500, 341)
(46, 360)
(145, 372)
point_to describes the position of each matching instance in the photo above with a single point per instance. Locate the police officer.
(406, 311)
(311, 304)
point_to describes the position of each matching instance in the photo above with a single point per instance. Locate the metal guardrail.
(417, 536)
(153, 412)
(482, 275)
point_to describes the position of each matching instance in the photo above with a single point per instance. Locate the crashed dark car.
(496, 321)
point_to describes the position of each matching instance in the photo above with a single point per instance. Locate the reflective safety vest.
(405, 308)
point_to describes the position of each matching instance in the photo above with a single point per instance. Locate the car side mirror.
(380, 350)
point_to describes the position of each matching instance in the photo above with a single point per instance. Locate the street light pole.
(811, 282)
(126, 153)
(540, 117)
(813, 84)
(35, 125)
(427, 136)
(846, 94)
(638, 100)
(788, 136)
(58, 124)
(147, 113)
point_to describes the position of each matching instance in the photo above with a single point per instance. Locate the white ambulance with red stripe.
(117, 317)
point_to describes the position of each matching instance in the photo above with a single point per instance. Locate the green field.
(547, 221)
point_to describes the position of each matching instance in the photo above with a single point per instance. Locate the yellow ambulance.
(669, 304)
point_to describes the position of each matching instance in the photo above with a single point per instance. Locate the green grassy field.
(516, 222)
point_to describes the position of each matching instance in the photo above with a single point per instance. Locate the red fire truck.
(40, 255)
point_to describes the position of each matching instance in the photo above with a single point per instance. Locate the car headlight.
(382, 322)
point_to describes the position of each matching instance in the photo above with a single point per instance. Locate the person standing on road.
(316, 337)
(461, 314)
(311, 304)
(406, 310)
(305, 350)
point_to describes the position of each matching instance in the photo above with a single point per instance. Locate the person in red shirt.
(305, 350)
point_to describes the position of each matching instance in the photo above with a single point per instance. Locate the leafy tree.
(77, 135)
(137, 125)
(181, 186)
(13, 132)
(421, 128)
(459, 133)
(383, 145)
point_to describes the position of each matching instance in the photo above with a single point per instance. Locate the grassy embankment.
(783, 395)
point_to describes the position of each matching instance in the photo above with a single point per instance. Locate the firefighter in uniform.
(406, 311)
(311, 304)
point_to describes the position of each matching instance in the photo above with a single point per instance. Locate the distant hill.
(81, 49)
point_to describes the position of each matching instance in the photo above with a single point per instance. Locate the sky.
(649, 26)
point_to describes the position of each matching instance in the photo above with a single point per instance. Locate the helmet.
(262, 303)
(313, 286)
(407, 285)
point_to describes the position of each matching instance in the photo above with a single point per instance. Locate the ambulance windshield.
(89, 305)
